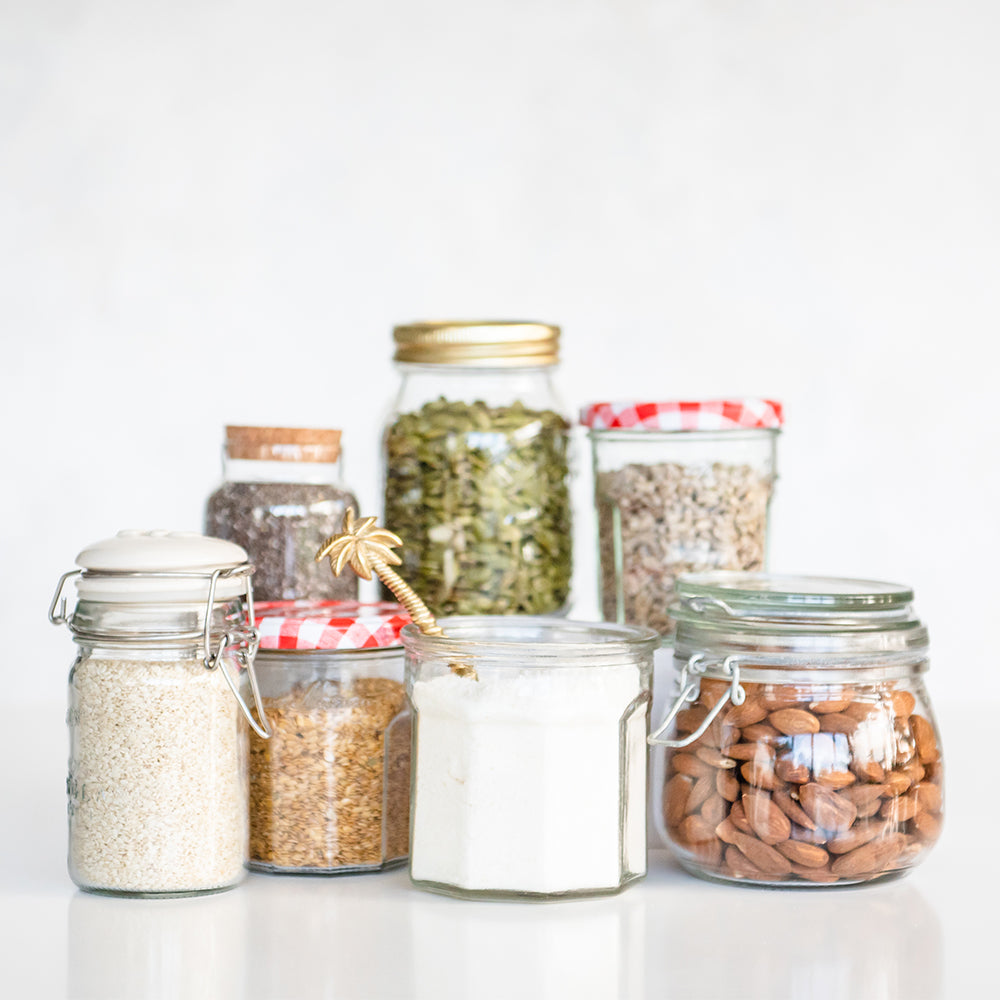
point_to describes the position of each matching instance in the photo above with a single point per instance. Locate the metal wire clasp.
(246, 642)
(688, 692)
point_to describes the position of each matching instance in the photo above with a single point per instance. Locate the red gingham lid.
(329, 624)
(699, 415)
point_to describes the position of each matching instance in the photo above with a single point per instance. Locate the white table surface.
(931, 934)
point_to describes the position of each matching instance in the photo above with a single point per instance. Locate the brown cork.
(283, 444)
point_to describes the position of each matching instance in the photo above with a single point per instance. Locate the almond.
(738, 818)
(903, 703)
(782, 696)
(838, 722)
(928, 796)
(831, 706)
(694, 830)
(727, 832)
(862, 795)
(739, 865)
(765, 818)
(688, 763)
(826, 808)
(823, 875)
(675, 799)
(860, 710)
(835, 779)
(746, 751)
(923, 734)
(727, 785)
(713, 809)
(712, 692)
(794, 721)
(714, 758)
(760, 732)
(808, 855)
(914, 771)
(703, 787)
(870, 770)
(808, 835)
(758, 773)
(860, 833)
(867, 809)
(766, 858)
(747, 714)
(871, 859)
(896, 782)
(787, 769)
(792, 809)
(927, 826)
(689, 719)
(900, 809)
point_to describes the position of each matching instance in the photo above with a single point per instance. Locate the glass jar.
(679, 487)
(330, 789)
(157, 789)
(281, 498)
(803, 749)
(477, 468)
(529, 771)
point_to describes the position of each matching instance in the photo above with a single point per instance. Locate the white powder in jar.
(518, 780)
(157, 777)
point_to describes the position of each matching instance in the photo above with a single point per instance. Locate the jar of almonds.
(679, 487)
(477, 468)
(801, 748)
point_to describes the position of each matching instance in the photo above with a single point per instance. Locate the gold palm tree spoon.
(367, 549)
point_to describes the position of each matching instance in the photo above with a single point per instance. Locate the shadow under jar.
(679, 487)
(330, 788)
(802, 748)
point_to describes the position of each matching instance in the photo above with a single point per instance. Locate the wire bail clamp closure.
(688, 690)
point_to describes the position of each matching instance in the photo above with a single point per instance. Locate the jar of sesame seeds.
(330, 788)
(158, 698)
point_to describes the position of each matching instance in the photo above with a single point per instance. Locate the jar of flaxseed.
(330, 788)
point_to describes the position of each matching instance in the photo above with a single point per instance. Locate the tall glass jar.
(801, 748)
(282, 495)
(157, 783)
(330, 789)
(477, 468)
(679, 487)
(529, 770)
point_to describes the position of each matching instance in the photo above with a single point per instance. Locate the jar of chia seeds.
(158, 698)
(477, 468)
(529, 774)
(679, 487)
(801, 747)
(282, 495)
(330, 788)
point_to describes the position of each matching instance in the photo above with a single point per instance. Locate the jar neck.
(494, 386)
(245, 470)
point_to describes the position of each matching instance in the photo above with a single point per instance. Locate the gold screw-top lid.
(283, 444)
(478, 343)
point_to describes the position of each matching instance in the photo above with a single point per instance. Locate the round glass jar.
(281, 497)
(477, 468)
(330, 788)
(529, 771)
(157, 784)
(802, 747)
(679, 487)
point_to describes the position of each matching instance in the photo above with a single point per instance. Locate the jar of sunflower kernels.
(801, 748)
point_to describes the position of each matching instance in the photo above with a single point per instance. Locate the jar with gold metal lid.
(476, 463)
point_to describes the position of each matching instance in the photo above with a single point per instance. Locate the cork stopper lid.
(283, 444)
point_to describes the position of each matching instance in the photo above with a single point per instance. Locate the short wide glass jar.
(530, 756)
(679, 487)
(157, 783)
(330, 788)
(801, 748)
(477, 468)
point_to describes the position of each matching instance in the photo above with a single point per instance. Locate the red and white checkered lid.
(683, 415)
(329, 624)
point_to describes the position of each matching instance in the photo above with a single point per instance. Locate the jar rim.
(518, 637)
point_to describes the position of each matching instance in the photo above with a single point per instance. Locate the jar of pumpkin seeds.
(476, 459)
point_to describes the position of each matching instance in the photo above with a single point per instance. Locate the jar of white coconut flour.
(157, 786)
(529, 770)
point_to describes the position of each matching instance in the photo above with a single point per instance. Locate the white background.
(214, 211)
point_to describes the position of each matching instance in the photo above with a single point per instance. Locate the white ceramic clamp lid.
(153, 566)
